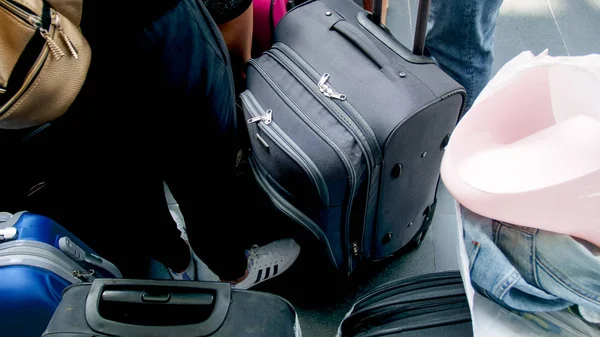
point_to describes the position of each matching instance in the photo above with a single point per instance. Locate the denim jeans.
(529, 269)
(461, 39)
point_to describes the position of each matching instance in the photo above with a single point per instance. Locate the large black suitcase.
(348, 128)
(141, 308)
(427, 305)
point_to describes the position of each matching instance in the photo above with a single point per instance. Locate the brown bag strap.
(71, 9)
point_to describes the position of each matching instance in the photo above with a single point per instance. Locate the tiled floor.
(565, 27)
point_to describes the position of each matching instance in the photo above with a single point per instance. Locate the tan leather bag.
(44, 60)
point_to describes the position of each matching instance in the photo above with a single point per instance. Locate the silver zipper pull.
(337, 96)
(267, 118)
(323, 80)
(54, 48)
(355, 249)
(64, 35)
(255, 119)
(263, 142)
(82, 275)
(328, 91)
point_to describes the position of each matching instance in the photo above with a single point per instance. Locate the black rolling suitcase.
(348, 128)
(141, 308)
(428, 305)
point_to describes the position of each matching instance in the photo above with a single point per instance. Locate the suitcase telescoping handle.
(136, 308)
(421, 29)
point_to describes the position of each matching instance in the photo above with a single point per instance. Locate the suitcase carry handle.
(355, 36)
(112, 304)
(86, 259)
(383, 35)
(421, 29)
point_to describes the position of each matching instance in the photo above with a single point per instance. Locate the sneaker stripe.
(258, 276)
(267, 272)
(274, 270)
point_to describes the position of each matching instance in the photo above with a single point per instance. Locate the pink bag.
(267, 14)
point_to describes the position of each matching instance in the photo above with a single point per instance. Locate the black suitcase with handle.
(140, 308)
(427, 305)
(348, 128)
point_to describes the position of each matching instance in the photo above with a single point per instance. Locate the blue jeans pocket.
(518, 245)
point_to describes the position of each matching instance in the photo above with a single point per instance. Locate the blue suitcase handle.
(67, 246)
(163, 296)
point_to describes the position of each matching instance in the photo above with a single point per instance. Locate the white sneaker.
(269, 261)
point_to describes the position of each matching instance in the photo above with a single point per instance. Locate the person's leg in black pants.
(192, 116)
(197, 132)
(158, 105)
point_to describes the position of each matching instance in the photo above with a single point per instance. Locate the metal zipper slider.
(34, 21)
(83, 276)
(355, 249)
(64, 35)
(267, 118)
(323, 80)
(327, 90)
(54, 48)
(338, 96)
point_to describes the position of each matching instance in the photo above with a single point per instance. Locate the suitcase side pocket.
(290, 210)
(289, 165)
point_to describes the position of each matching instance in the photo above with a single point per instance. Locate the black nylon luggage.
(348, 128)
(140, 308)
(426, 305)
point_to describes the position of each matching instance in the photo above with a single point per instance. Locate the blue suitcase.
(38, 260)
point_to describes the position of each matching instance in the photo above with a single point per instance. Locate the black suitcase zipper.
(341, 109)
(418, 282)
(288, 146)
(356, 117)
(450, 315)
(440, 292)
(343, 156)
(310, 83)
(352, 248)
(375, 310)
(288, 209)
